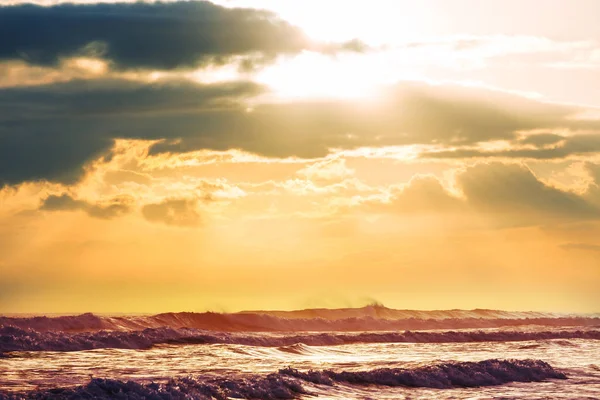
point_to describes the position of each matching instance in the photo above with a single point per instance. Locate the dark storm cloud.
(37, 152)
(116, 207)
(144, 35)
(176, 212)
(50, 132)
(117, 97)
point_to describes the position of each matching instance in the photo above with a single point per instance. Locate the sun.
(345, 74)
(316, 75)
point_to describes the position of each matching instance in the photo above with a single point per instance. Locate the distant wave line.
(17, 339)
(371, 318)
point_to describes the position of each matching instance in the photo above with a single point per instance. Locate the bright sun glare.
(382, 24)
(312, 74)
(324, 76)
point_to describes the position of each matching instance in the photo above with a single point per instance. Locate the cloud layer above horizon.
(206, 153)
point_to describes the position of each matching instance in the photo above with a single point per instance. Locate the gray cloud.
(578, 144)
(176, 212)
(509, 193)
(542, 139)
(513, 189)
(151, 35)
(117, 97)
(62, 203)
(116, 207)
(46, 153)
(51, 131)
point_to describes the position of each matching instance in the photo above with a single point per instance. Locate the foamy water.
(529, 363)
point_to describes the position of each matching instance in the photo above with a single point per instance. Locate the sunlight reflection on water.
(575, 357)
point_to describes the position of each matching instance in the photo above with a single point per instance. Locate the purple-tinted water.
(70, 359)
(576, 358)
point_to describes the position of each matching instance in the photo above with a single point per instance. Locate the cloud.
(157, 35)
(115, 207)
(144, 35)
(62, 203)
(592, 194)
(513, 190)
(422, 194)
(47, 154)
(175, 212)
(52, 131)
(508, 193)
(594, 170)
(118, 97)
(542, 139)
(327, 171)
(563, 147)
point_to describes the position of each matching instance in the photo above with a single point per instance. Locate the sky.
(191, 156)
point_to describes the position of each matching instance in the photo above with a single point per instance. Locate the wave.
(440, 376)
(379, 311)
(290, 383)
(17, 339)
(296, 348)
(371, 318)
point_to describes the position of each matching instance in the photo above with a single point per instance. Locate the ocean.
(366, 353)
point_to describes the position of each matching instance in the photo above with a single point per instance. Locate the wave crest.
(440, 376)
(371, 318)
(290, 383)
(17, 339)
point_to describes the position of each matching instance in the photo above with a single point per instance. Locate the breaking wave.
(297, 348)
(18, 339)
(290, 383)
(370, 318)
(440, 376)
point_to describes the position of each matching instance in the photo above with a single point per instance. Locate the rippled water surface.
(577, 358)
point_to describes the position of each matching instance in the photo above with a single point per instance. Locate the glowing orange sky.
(409, 152)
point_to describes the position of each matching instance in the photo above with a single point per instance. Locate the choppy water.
(277, 365)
